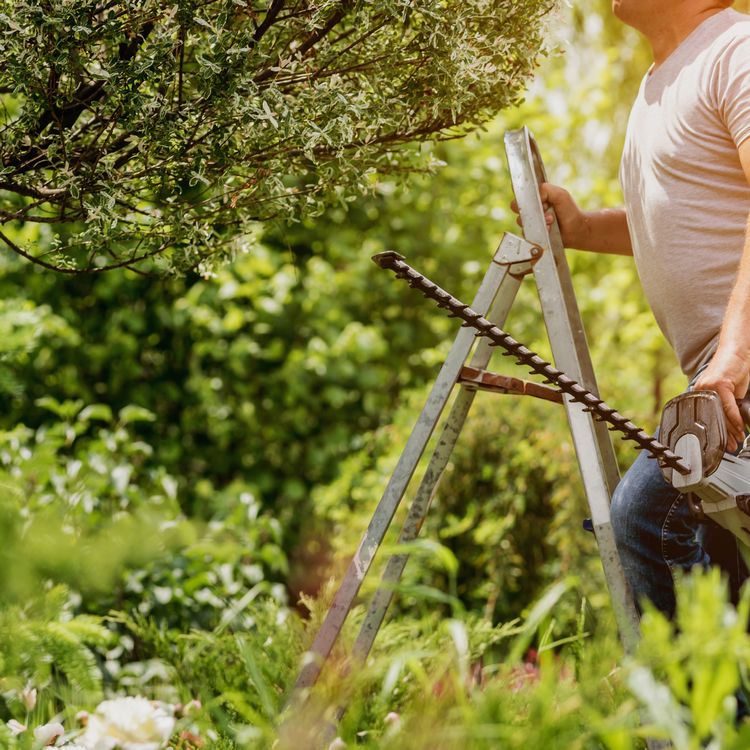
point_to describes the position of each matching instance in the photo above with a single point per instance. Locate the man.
(684, 173)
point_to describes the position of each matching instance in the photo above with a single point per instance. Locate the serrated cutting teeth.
(524, 356)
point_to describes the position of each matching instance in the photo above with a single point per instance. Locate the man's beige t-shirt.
(686, 196)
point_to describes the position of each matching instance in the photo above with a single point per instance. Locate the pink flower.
(16, 727)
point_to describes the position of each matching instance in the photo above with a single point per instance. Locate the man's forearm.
(606, 232)
(603, 231)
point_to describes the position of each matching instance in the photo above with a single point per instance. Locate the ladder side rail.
(595, 456)
(394, 491)
(555, 285)
(454, 424)
(527, 172)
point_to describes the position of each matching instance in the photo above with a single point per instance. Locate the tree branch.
(79, 271)
(66, 116)
(318, 34)
(271, 14)
(32, 192)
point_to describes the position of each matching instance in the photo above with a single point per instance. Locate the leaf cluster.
(137, 130)
(43, 643)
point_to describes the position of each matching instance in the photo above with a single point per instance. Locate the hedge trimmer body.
(718, 483)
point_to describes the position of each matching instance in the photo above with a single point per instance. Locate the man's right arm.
(604, 231)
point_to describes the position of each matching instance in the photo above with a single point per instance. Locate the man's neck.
(669, 33)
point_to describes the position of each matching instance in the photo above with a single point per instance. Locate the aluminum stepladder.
(541, 252)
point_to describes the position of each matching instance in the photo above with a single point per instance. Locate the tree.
(157, 134)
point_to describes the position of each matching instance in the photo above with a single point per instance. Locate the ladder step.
(483, 380)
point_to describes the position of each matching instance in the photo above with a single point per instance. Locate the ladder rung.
(483, 380)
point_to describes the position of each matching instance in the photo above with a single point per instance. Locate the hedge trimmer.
(693, 429)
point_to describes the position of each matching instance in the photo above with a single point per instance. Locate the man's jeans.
(656, 535)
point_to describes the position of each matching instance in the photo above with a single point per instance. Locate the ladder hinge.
(517, 253)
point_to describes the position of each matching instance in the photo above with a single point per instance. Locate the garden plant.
(192, 442)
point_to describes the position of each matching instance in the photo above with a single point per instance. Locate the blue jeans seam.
(664, 531)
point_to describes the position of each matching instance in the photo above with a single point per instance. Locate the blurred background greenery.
(201, 455)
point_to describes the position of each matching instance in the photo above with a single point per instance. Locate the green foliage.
(215, 581)
(189, 454)
(687, 673)
(118, 538)
(72, 487)
(155, 129)
(683, 679)
(250, 385)
(42, 643)
(239, 678)
(45, 465)
(24, 329)
(511, 506)
(436, 674)
(75, 486)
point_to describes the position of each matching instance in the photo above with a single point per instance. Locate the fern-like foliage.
(42, 644)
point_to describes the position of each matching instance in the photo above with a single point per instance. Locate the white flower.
(16, 727)
(28, 696)
(48, 733)
(337, 744)
(128, 724)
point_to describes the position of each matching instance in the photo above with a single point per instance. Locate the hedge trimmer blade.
(392, 261)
